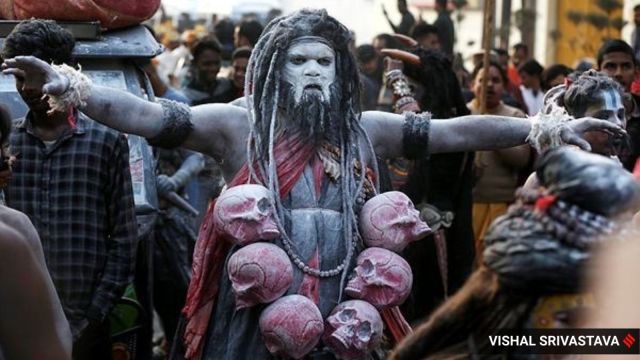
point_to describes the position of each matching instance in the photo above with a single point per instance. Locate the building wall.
(582, 40)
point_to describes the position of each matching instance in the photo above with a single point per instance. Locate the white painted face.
(310, 66)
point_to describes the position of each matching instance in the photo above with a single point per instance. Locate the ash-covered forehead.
(311, 48)
(611, 99)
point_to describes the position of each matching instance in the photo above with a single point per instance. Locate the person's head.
(305, 84)
(616, 59)
(368, 59)
(502, 57)
(206, 60)
(496, 83)
(519, 54)
(436, 85)
(554, 75)
(239, 62)
(441, 5)
(636, 15)
(426, 35)
(531, 74)
(189, 38)
(384, 41)
(402, 6)
(45, 40)
(247, 33)
(592, 94)
(224, 31)
(302, 64)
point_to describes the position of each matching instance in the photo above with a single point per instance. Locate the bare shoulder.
(21, 223)
(13, 245)
(16, 220)
(216, 128)
(385, 131)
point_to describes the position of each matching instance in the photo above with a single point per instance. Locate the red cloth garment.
(292, 155)
(396, 323)
(111, 13)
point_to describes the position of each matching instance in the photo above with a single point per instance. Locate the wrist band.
(77, 92)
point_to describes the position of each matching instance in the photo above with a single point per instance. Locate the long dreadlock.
(263, 94)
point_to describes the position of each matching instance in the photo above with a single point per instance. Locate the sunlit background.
(558, 36)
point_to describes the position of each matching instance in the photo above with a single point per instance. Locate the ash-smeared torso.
(313, 221)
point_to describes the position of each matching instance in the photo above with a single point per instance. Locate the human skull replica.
(259, 273)
(291, 327)
(390, 221)
(353, 329)
(381, 277)
(243, 214)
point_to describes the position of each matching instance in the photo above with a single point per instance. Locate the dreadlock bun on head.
(543, 242)
(579, 92)
(592, 182)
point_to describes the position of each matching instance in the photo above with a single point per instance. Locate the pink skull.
(259, 273)
(381, 277)
(390, 221)
(353, 329)
(291, 326)
(243, 214)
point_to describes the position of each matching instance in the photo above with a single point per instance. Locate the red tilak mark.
(544, 202)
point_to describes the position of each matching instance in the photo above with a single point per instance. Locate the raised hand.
(574, 132)
(33, 69)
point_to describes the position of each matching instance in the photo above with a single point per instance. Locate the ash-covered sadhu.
(535, 260)
(303, 137)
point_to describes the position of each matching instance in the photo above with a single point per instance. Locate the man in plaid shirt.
(71, 177)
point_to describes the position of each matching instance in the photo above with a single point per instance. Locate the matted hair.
(577, 95)
(44, 39)
(263, 93)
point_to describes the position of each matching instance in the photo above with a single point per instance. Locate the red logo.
(629, 340)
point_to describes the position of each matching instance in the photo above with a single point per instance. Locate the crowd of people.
(496, 160)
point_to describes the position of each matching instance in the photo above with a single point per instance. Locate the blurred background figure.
(498, 171)
(531, 86)
(427, 36)
(246, 33)
(239, 62)
(554, 75)
(407, 22)
(182, 56)
(370, 66)
(446, 30)
(519, 54)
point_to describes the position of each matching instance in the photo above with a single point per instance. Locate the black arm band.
(176, 125)
(415, 135)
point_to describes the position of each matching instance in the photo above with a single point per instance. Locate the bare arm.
(470, 133)
(130, 114)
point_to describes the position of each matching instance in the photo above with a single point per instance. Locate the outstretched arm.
(470, 133)
(130, 114)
